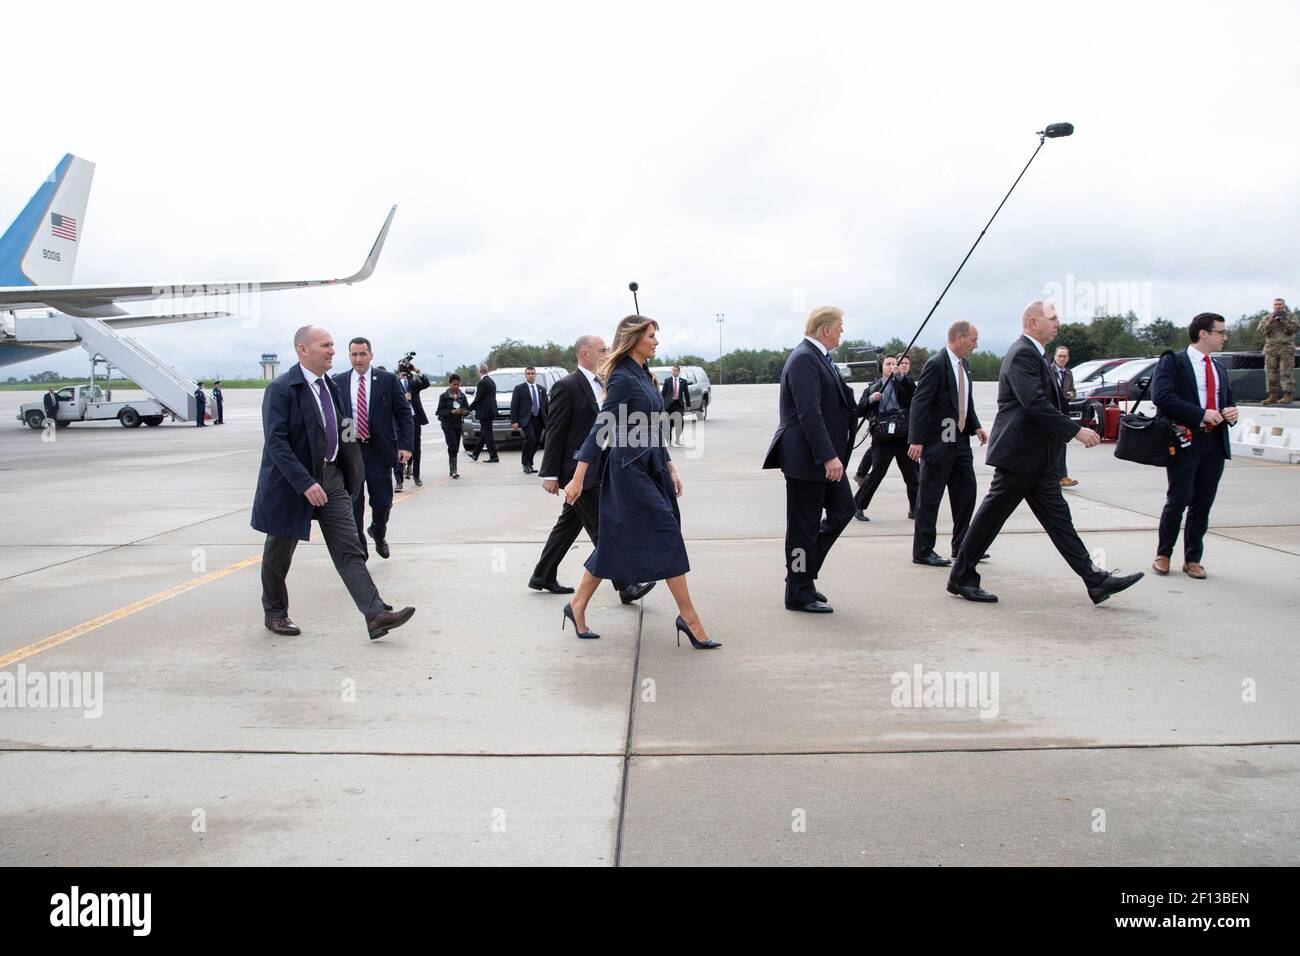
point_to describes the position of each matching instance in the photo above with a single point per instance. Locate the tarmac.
(1162, 727)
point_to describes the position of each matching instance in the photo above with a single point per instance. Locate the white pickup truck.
(85, 403)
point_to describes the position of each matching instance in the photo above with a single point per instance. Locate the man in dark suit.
(51, 403)
(811, 445)
(574, 402)
(484, 408)
(220, 401)
(417, 382)
(1025, 452)
(1191, 389)
(201, 404)
(1065, 384)
(939, 431)
(528, 414)
(677, 402)
(381, 420)
(310, 470)
(885, 404)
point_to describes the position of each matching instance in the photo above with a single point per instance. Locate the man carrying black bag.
(1191, 389)
(885, 404)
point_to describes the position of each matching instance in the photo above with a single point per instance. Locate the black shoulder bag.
(1146, 439)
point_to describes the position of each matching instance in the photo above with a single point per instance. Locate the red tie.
(363, 416)
(674, 388)
(1211, 399)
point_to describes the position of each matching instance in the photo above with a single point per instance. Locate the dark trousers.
(339, 529)
(203, 410)
(573, 518)
(882, 453)
(953, 472)
(1042, 490)
(1061, 464)
(674, 416)
(413, 463)
(221, 415)
(1193, 482)
(379, 486)
(486, 439)
(532, 434)
(809, 536)
(452, 436)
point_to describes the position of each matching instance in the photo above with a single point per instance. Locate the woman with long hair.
(640, 526)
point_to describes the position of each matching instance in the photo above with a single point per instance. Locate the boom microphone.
(1057, 129)
(632, 287)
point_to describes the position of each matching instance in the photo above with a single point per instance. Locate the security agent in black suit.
(942, 422)
(1025, 451)
(574, 403)
(453, 406)
(886, 404)
(811, 445)
(1182, 391)
(309, 470)
(528, 414)
(201, 404)
(220, 401)
(677, 402)
(51, 403)
(417, 382)
(381, 419)
(484, 408)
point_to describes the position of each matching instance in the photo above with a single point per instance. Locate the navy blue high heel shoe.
(568, 616)
(698, 645)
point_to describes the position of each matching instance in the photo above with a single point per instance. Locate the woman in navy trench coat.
(640, 525)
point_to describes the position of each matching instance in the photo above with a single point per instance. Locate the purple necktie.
(331, 424)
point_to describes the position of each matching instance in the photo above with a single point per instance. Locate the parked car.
(1246, 374)
(1095, 369)
(697, 379)
(507, 379)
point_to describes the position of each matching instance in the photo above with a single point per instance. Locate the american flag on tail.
(65, 227)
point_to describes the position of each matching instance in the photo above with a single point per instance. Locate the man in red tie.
(677, 401)
(1191, 389)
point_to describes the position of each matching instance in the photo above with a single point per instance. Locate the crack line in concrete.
(627, 747)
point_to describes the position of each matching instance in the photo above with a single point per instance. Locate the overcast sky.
(749, 159)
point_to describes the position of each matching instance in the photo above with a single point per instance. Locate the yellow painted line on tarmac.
(123, 612)
(54, 640)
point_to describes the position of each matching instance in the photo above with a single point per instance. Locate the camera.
(404, 365)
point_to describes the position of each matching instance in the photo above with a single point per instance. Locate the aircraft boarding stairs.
(150, 371)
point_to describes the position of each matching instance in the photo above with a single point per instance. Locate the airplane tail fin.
(40, 247)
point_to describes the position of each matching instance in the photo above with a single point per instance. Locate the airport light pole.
(721, 317)
(442, 367)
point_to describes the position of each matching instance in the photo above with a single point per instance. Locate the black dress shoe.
(812, 607)
(381, 544)
(472, 455)
(282, 625)
(933, 560)
(385, 621)
(972, 593)
(398, 487)
(1113, 585)
(537, 584)
(493, 461)
(911, 515)
(821, 597)
(635, 592)
(418, 482)
(860, 515)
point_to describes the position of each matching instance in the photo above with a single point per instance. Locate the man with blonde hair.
(811, 445)
(1025, 451)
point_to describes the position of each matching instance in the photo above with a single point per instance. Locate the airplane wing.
(100, 301)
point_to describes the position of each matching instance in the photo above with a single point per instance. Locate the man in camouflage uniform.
(1279, 329)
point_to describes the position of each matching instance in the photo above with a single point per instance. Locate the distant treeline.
(1105, 336)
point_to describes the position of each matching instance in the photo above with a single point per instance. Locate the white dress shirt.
(955, 362)
(821, 348)
(353, 379)
(312, 378)
(1198, 368)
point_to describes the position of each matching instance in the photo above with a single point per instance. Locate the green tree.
(1243, 335)
(1160, 334)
